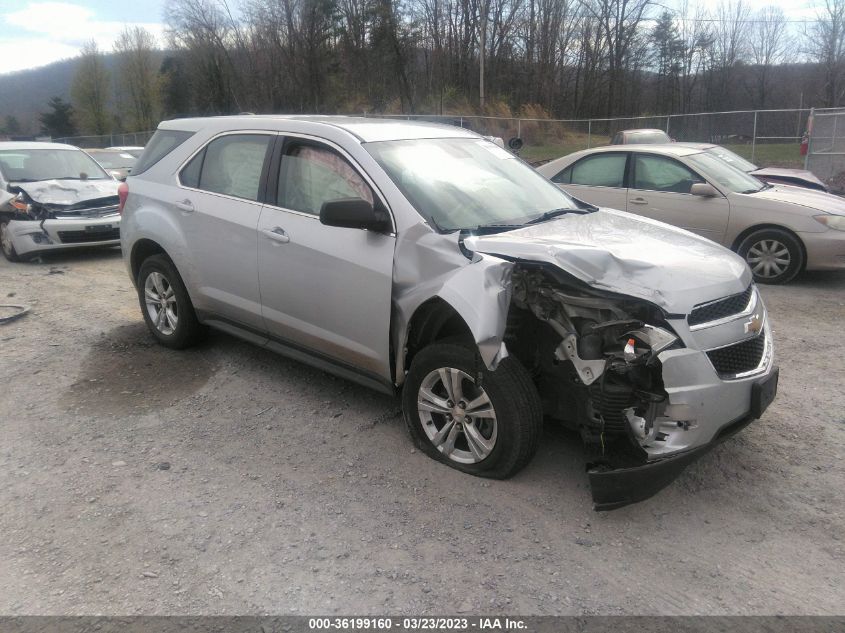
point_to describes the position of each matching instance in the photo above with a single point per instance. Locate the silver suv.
(425, 259)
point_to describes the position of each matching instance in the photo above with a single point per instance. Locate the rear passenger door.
(660, 189)
(325, 290)
(597, 178)
(222, 187)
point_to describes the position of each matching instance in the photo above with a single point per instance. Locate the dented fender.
(430, 265)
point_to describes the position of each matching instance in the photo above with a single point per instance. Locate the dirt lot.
(226, 479)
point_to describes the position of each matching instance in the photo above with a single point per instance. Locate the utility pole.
(481, 47)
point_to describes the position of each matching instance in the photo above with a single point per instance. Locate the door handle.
(638, 201)
(277, 234)
(185, 206)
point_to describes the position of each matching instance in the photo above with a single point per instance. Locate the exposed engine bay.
(593, 358)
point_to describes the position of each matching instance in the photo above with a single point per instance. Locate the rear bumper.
(615, 488)
(33, 236)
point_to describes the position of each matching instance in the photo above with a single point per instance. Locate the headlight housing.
(836, 222)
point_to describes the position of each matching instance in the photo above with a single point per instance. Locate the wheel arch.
(434, 320)
(141, 250)
(779, 227)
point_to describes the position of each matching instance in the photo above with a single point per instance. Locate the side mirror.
(354, 213)
(703, 189)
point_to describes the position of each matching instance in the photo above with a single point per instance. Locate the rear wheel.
(6, 242)
(774, 256)
(165, 304)
(489, 428)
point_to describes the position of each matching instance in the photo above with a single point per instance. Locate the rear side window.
(161, 144)
(231, 165)
(600, 170)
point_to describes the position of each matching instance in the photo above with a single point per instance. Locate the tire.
(775, 256)
(496, 446)
(6, 245)
(175, 325)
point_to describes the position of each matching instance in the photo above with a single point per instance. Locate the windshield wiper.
(549, 215)
(492, 228)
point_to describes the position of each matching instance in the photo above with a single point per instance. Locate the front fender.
(429, 265)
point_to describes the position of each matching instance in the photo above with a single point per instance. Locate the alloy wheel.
(160, 300)
(457, 415)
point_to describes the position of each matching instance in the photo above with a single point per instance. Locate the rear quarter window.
(161, 144)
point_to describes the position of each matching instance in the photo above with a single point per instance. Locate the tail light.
(122, 194)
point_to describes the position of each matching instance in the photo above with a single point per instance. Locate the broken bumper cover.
(31, 236)
(622, 486)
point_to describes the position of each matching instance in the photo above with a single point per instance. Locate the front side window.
(658, 173)
(599, 170)
(31, 165)
(311, 175)
(229, 165)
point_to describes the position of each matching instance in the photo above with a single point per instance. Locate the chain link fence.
(826, 147)
(770, 137)
(128, 139)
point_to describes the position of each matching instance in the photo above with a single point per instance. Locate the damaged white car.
(424, 259)
(54, 197)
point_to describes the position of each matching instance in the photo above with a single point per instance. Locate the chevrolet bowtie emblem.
(754, 325)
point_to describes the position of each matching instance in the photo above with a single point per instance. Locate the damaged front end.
(49, 215)
(599, 361)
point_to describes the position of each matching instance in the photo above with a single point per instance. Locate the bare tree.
(769, 45)
(618, 22)
(139, 77)
(827, 47)
(89, 91)
(730, 45)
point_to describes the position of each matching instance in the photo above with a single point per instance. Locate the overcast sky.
(35, 33)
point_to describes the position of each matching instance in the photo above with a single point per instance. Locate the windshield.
(30, 165)
(725, 174)
(734, 160)
(467, 182)
(114, 160)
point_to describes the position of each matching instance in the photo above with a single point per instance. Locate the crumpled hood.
(616, 251)
(68, 193)
(782, 172)
(824, 202)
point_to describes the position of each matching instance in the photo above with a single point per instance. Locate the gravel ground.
(228, 480)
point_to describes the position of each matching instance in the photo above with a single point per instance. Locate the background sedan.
(780, 230)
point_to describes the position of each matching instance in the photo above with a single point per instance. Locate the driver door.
(660, 189)
(324, 290)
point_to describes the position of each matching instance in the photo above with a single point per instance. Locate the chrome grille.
(715, 310)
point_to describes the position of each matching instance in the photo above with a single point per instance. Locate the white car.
(54, 197)
(779, 230)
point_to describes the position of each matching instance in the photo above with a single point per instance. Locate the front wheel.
(774, 256)
(489, 428)
(165, 304)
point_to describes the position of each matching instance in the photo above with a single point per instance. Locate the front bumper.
(32, 236)
(825, 250)
(622, 486)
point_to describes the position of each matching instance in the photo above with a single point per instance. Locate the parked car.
(779, 230)
(135, 150)
(118, 163)
(423, 258)
(54, 197)
(772, 175)
(643, 136)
